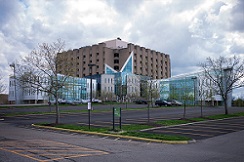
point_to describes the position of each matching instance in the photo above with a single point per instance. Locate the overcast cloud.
(189, 30)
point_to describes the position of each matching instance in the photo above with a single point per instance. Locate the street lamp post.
(15, 95)
(90, 103)
(194, 89)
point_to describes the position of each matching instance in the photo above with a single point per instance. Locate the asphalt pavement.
(31, 145)
(197, 131)
(204, 129)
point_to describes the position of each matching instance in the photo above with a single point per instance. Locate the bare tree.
(225, 74)
(2, 84)
(149, 91)
(40, 70)
(202, 89)
(186, 93)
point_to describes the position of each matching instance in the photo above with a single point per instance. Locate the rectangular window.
(116, 55)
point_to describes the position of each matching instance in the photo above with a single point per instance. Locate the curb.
(117, 136)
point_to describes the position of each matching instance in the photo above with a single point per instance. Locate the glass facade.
(74, 89)
(182, 89)
(128, 66)
(120, 77)
(109, 70)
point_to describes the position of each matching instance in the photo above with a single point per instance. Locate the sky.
(188, 30)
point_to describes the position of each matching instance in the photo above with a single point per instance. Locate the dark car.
(162, 103)
(141, 102)
(175, 102)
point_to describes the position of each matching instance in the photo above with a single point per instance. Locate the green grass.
(171, 122)
(127, 130)
(83, 128)
(134, 129)
(197, 119)
(190, 120)
(222, 116)
(21, 106)
(27, 113)
(67, 111)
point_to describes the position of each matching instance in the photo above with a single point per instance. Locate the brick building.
(114, 53)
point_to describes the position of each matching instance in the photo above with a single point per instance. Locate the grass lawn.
(134, 129)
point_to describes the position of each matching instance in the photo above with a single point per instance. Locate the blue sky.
(189, 31)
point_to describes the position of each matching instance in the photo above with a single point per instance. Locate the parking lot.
(204, 129)
(43, 150)
(196, 130)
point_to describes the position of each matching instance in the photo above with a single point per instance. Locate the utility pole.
(15, 89)
(90, 103)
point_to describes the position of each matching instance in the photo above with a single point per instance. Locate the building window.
(116, 55)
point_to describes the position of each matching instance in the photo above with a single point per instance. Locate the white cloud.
(189, 31)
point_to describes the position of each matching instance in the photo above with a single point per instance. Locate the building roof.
(116, 44)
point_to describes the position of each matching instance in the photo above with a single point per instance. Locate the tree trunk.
(148, 112)
(184, 115)
(201, 109)
(226, 107)
(57, 110)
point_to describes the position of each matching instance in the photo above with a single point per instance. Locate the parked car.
(162, 103)
(84, 101)
(140, 101)
(175, 102)
(96, 100)
(61, 101)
